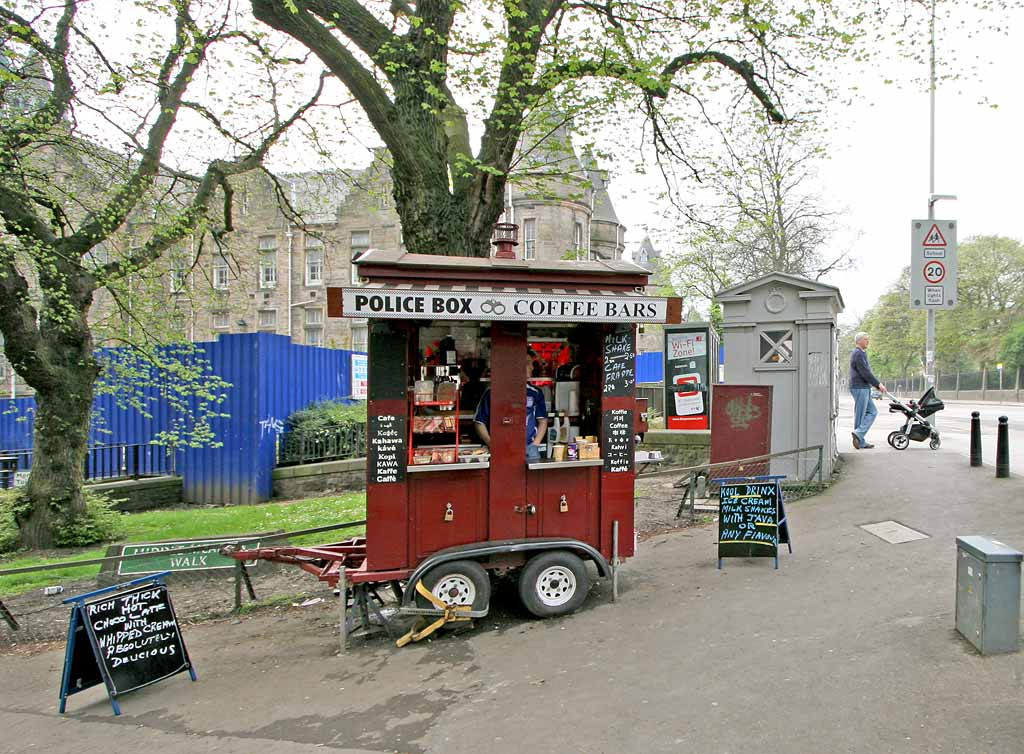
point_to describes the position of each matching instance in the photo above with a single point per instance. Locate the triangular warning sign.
(934, 237)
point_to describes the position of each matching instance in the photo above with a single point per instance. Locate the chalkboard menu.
(387, 452)
(619, 361)
(617, 440)
(126, 640)
(388, 356)
(748, 520)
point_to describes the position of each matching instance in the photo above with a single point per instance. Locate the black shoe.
(856, 440)
(866, 446)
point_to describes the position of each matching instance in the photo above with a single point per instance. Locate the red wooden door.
(448, 509)
(566, 502)
(507, 516)
(741, 426)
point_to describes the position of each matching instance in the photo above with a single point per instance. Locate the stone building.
(297, 234)
(272, 273)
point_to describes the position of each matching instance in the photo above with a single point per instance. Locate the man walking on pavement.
(861, 382)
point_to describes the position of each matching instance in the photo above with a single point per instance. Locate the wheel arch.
(481, 550)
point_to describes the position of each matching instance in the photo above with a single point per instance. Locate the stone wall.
(680, 447)
(313, 479)
(132, 495)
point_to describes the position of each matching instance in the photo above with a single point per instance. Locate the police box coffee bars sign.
(392, 303)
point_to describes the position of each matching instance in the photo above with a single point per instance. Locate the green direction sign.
(200, 560)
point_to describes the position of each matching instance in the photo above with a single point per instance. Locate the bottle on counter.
(552, 429)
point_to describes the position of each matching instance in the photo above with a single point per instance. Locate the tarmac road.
(954, 425)
(848, 648)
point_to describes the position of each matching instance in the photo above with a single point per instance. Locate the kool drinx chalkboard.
(748, 520)
(125, 638)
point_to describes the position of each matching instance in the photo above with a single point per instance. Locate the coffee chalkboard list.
(617, 440)
(619, 362)
(387, 454)
(748, 520)
(125, 638)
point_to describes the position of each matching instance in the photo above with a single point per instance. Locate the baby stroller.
(916, 428)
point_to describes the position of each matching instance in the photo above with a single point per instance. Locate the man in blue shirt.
(861, 381)
(536, 415)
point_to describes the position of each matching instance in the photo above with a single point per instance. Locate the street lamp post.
(929, 344)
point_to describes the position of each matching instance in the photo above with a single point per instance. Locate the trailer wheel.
(553, 583)
(461, 582)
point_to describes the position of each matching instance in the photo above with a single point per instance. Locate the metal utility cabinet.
(780, 330)
(988, 594)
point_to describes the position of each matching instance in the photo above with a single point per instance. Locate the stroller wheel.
(889, 439)
(935, 443)
(899, 440)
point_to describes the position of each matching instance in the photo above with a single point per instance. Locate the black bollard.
(975, 438)
(1003, 449)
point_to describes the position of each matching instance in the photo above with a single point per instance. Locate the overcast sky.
(878, 171)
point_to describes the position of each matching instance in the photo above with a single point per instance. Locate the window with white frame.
(314, 316)
(221, 273)
(267, 243)
(314, 336)
(314, 242)
(268, 318)
(360, 337)
(359, 242)
(577, 239)
(178, 275)
(530, 238)
(221, 320)
(268, 270)
(314, 266)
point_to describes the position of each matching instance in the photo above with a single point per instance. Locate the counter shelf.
(461, 466)
(547, 463)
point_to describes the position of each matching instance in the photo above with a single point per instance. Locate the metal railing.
(102, 462)
(325, 444)
(803, 467)
(1002, 384)
(227, 587)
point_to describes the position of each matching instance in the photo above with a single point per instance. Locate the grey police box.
(988, 594)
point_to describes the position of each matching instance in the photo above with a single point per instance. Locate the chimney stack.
(506, 238)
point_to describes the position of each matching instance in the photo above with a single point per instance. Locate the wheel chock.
(448, 614)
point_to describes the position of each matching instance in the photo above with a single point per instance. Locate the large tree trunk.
(54, 491)
(53, 495)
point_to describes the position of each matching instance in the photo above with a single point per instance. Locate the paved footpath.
(848, 647)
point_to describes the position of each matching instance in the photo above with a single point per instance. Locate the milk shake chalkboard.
(387, 454)
(750, 518)
(125, 637)
(619, 361)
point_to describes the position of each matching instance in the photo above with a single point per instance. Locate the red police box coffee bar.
(503, 416)
(539, 306)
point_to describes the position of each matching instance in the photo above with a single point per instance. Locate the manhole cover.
(892, 532)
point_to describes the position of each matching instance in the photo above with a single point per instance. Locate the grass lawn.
(196, 523)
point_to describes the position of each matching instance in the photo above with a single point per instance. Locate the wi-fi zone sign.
(933, 264)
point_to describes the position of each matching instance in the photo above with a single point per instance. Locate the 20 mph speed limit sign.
(933, 264)
(934, 272)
